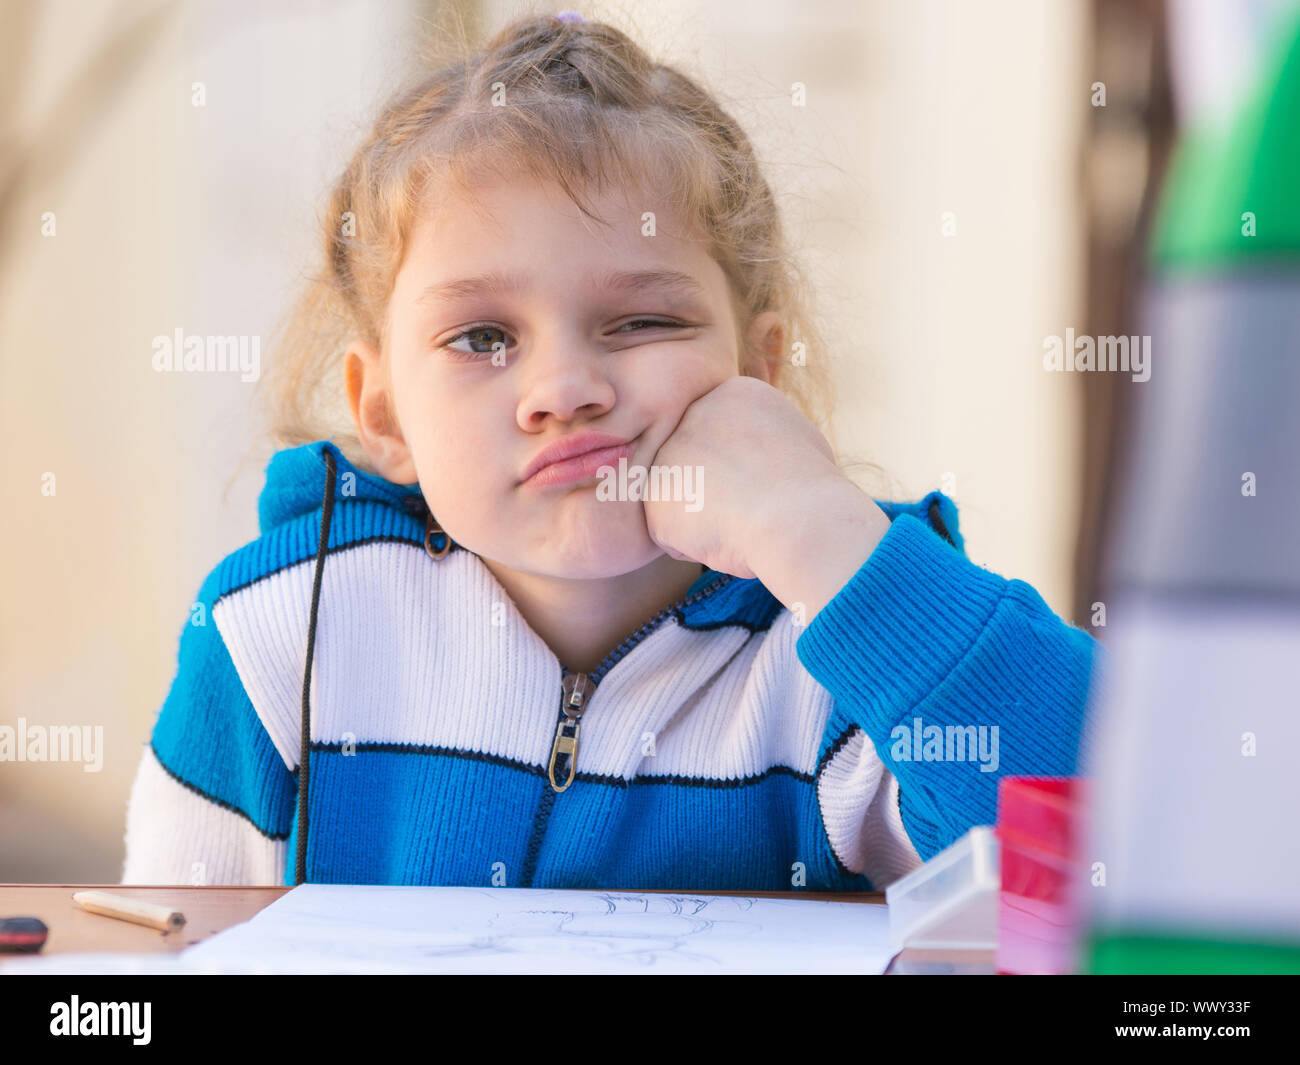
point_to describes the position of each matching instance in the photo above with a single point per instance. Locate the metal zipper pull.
(573, 700)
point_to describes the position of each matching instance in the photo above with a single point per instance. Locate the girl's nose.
(566, 378)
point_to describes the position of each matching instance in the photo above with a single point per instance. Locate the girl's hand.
(771, 502)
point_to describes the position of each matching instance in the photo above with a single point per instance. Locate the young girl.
(468, 649)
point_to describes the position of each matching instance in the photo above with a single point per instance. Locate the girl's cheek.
(661, 371)
(686, 383)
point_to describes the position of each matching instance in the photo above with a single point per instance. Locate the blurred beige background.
(169, 215)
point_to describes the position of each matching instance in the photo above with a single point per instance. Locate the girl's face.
(599, 328)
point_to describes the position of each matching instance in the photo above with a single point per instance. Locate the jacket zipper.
(576, 689)
(573, 700)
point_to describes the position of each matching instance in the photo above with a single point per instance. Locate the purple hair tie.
(570, 16)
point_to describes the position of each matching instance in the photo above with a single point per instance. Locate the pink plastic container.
(1038, 823)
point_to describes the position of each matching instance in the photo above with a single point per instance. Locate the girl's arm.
(955, 674)
(212, 801)
(911, 639)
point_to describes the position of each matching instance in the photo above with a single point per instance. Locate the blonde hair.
(584, 105)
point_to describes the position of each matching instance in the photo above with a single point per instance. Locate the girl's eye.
(481, 335)
(651, 322)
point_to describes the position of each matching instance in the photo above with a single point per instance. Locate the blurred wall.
(167, 215)
(170, 215)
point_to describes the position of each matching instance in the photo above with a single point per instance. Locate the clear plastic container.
(951, 902)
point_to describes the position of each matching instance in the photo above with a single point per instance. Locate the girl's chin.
(611, 554)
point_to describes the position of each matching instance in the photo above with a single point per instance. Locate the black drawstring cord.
(304, 756)
(938, 524)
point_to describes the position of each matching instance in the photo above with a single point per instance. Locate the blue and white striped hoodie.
(720, 746)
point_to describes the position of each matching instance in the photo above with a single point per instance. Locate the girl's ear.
(374, 416)
(763, 345)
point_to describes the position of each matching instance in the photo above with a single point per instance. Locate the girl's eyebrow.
(512, 284)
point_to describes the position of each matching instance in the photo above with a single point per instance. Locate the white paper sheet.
(333, 928)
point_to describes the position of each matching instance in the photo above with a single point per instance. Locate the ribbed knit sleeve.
(923, 644)
(212, 801)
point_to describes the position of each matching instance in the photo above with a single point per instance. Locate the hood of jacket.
(295, 485)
